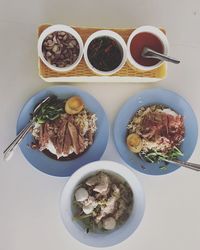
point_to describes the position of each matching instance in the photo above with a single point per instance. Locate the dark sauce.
(145, 39)
(70, 157)
(105, 54)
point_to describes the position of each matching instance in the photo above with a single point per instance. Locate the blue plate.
(149, 97)
(64, 168)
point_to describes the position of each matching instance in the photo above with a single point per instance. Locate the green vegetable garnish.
(82, 217)
(163, 167)
(50, 111)
(154, 156)
(86, 220)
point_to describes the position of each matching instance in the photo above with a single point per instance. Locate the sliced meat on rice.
(74, 135)
(65, 135)
(67, 142)
(81, 143)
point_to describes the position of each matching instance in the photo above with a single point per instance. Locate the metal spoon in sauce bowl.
(149, 53)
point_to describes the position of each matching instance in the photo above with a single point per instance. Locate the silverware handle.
(7, 152)
(18, 138)
(163, 57)
(190, 165)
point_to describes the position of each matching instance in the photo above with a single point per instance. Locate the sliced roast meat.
(50, 129)
(46, 132)
(66, 134)
(44, 137)
(74, 135)
(41, 141)
(156, 124)
(67, 142)
(60, 136)
(81, 143)
(70, 118)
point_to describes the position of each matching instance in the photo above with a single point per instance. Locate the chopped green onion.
(154, 156)
(163, 167)
(50, 111)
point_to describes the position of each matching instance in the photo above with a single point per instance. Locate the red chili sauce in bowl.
(149, 40)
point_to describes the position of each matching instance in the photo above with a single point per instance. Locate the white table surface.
(29, 211)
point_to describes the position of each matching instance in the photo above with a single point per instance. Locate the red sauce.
(145, 39)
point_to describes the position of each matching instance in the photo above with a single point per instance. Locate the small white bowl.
(113, 35)
(115, 236)
(60, 27)
(155, 31)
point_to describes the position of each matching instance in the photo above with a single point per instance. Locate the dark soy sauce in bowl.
(105, 54)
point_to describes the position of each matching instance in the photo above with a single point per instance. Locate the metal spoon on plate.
(10, 149)
(189, 165)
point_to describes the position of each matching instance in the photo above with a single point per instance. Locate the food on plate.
(61, 133)
(105, 53)
(74, 105)
(149, 40)
(103, 201)
(60, 49)
(155, 133)
(134, 142)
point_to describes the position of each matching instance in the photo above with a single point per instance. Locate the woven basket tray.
(83, 74)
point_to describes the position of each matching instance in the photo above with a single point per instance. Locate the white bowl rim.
(124, 231)
(155, 31)
(60, 27)
(112, 35)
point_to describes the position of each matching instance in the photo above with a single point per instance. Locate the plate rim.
(135, 96)
(74, 88)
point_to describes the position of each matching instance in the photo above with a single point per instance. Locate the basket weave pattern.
(82, 69)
